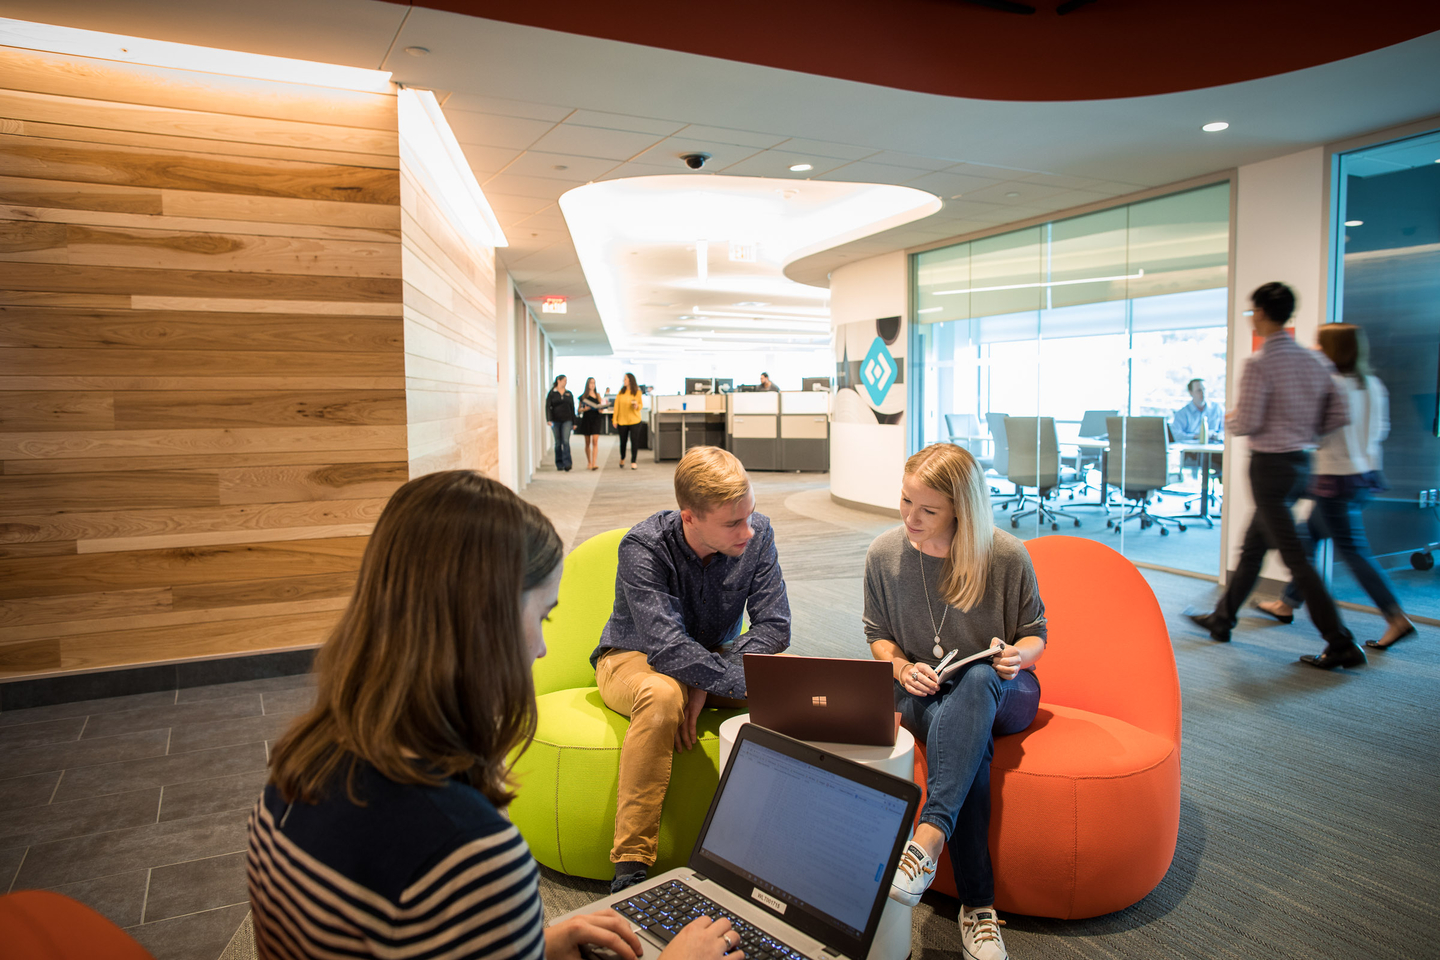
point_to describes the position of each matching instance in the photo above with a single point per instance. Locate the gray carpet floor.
(1308, 806)
(1308, 816)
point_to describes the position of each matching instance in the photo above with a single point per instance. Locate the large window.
(1115, 312)
(1387, 280)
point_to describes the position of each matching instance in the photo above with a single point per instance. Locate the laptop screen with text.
(806, 835)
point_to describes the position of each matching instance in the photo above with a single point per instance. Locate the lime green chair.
(566, 782)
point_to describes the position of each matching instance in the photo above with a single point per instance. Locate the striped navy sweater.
(416, 872)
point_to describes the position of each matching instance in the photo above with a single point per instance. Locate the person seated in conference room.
(947, 580)
(1185, 424)
(381, 832)
(673, 642)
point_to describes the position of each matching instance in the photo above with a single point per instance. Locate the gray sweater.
(895, 599)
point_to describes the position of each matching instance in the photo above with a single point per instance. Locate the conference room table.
(1205, 450)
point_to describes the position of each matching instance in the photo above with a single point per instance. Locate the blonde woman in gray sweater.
(948, 581)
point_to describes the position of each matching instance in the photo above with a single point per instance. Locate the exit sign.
(552, 305)
(741, 252)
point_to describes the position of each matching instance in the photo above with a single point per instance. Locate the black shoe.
(1377, 645)
(624, 880)
(1346, 656)
(1217, 625)
(1255, 605)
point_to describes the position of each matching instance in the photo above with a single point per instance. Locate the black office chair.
(1092, 427)
(1000, 459)
(1141, 471)
(964, 431)
(1035, 462)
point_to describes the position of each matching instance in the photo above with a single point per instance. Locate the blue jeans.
(561, 429)
(1338, 519)
(958, 726)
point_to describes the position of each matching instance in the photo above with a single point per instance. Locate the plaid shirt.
(1288, 399)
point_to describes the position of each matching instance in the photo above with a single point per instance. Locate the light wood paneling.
(451, 360)
(202, 359)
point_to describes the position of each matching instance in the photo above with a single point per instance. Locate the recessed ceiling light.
(801, 167)
(1215, 127)
(561, 166)
(418, 51)
(1354, 223)
(1012, 193)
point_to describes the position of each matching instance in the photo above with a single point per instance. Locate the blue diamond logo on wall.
(878, 371)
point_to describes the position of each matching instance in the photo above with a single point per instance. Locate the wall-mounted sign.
(552, 305)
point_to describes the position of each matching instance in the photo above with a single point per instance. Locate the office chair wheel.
(1421, 560)
(1077, 523)
(1144, 524)
(1109, 524)
(1181, 526)
(1117, 528)
(1054, 525)
(1164, 532)
(1014, 523)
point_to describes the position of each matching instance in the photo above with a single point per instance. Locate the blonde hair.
(709, 477)
(952, 472)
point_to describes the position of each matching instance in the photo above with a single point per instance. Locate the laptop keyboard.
(665, 909)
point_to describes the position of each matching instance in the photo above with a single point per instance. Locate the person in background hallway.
(590, 404)
(766, 384)
(626, 416)
(560, 418)
(673, 643)
(381, 832)
(1185, 424)
(947, 554)
(1345, 471)
(1287, 402)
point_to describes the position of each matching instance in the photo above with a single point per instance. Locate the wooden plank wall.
(451, 351)
(202, 360)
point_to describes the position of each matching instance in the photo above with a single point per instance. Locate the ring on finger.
(728, 945)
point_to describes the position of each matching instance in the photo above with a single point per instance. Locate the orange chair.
(1085, 804)
(39, 925)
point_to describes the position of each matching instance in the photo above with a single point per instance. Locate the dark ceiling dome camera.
(695, 160)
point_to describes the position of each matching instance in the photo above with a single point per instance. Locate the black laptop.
(798, 850)
(830, 699)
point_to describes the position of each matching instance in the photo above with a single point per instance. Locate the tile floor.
(136, 805)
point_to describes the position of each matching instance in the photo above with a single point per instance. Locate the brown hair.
(953, 472)
(708, 477)
(426, 675)
(631, 385)
(1348, 348)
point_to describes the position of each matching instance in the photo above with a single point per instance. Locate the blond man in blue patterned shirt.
(673, 643)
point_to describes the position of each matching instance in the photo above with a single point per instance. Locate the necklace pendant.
(939, 650)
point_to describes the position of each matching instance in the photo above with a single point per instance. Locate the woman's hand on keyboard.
(605, 929)
(705, 939)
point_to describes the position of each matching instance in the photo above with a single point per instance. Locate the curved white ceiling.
(695, 263)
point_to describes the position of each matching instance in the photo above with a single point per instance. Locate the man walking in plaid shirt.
(1287, 402)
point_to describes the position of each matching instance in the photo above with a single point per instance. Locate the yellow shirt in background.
(627, 408)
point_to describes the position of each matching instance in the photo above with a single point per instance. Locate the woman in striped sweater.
(380, 833)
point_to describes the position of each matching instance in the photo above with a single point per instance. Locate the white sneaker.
(912, 875)
(980, 934)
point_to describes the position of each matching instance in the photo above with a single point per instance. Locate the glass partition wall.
(1387, 280)
(1059, 354)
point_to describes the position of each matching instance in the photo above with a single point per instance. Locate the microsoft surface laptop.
(832, 699)
(797, 850)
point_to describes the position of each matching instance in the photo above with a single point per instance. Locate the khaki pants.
(655, 704)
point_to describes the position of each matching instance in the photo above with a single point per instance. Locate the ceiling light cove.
(646, 242)
(1216, 127)
(801, 167)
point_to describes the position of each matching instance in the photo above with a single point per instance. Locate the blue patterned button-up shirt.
(678, 611)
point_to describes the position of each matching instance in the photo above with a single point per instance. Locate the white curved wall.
(867, 459)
